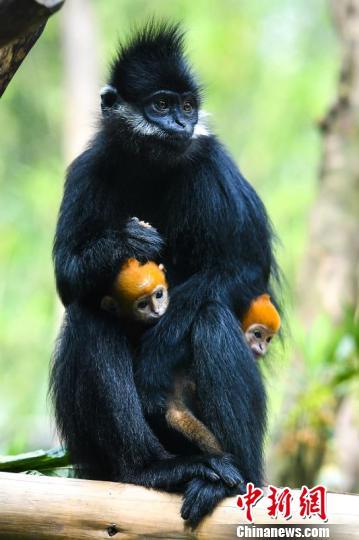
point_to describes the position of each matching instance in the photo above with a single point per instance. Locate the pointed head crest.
(152, 60)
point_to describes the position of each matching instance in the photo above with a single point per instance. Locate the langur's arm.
(88, 253)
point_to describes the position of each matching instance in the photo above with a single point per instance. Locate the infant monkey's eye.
(269, 339)
(159, 294)
(142, 305)
(258, 334)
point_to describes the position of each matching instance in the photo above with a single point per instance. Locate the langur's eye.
(269, 339)
(142, 305)
(161, 105)
(159, 294)
(187, 107)
(258, 334)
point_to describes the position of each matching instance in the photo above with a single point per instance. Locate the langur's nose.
(179, 121)
(182, 124)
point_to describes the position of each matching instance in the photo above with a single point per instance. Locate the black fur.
(215, 241)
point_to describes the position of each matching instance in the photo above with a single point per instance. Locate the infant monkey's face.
(149, 308)
(258, 337)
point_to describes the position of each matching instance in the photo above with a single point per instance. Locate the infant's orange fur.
(260, 323)
(140, 292)
(136, 279)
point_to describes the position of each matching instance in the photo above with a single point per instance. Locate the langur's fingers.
(145, 224)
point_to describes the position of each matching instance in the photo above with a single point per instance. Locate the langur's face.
(258, 338)
(148, 309)
(164, 118)
(172, 115)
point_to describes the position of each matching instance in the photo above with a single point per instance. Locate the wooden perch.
(21, 24)
(40, 507)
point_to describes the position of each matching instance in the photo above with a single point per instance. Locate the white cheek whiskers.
(136, 121)
(201, 128)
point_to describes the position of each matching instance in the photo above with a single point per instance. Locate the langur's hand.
(144, 223)
(143, 239)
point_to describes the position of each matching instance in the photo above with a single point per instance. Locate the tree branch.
(21, 24)
(58, 508)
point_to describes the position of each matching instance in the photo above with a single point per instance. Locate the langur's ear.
(109, 96)
(108, 304)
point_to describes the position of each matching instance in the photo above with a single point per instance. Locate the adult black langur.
(153, 157)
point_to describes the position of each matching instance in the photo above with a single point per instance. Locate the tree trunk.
(21, 24)
(81, 75)
(328, 280)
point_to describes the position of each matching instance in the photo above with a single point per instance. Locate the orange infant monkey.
(140, 293)
(260, 323)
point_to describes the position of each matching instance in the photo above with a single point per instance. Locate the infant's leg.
(181, 418)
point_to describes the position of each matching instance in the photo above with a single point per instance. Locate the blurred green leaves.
(39, 460)
(54, 462)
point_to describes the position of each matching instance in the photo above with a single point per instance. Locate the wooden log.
(40, 507)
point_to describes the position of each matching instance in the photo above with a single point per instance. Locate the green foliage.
(334, 346)
(269, 69)
(329, 365)
(54, 462)
(41, 460)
